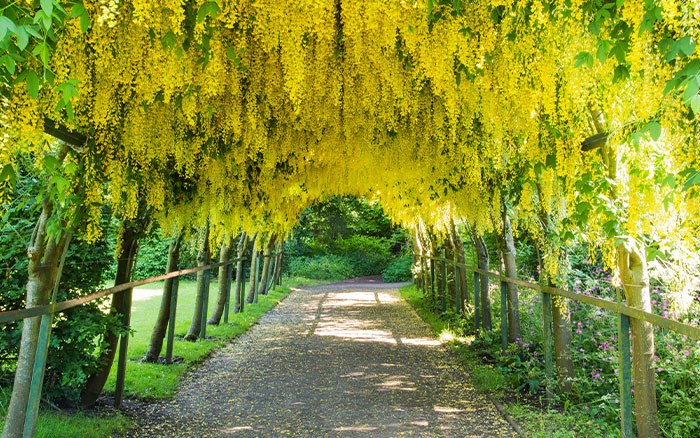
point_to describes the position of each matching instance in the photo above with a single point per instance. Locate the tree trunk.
(508, 251)
(631, 262)
(242, 244)
(43, 253)
(278, 275)
(449, 256)
(250, 296)
(203, 259)
(125, 265)
(459, 247)
(561, 316)
(561, 319)
(158, 334)
(482, 255)
(267, 253)
(276, 264)
(437, 267)
(223, 283)
(417, 266)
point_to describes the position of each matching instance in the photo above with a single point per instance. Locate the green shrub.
(75, 339)
(367, 255)
(329, 267)
(398, 270)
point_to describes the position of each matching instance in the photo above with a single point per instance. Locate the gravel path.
(343, 360)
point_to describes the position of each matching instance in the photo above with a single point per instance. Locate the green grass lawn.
(156, 381)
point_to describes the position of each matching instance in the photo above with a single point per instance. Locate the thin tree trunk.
(203, 259)
(262, 287)
(250, 296)
(224, 256)
(437, 268)
(158, 334)
(459, 246)
(95, 383)
(278, 275)
(242, 244)
(508, 251)
(417, 261)
(276, 264)
(631, 262)
(561, 319)
(449, 255)
(482, 255)
(561, 316)
(43, 253)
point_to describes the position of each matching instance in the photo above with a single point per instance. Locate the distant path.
(349, 359)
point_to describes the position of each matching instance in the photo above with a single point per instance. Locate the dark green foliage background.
(76, 333)
(343, 237)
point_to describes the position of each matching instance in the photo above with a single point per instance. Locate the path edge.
(498, 405)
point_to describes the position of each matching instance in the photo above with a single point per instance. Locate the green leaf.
(32, 81)
(85, 22)
(70, 168)
(33, 32)
(603, 50)
(583, 58)
(669, 181)
(671, 85)
(654, 128)
(41, 17)
(686, 45)
(9, 63)
(77, 10)
(51, 163)
(8, 174)
(695, 103)
(691, 90)
(22, 38)
(210, 8)
(653, 254)
(693, 179)
(6, 25)
(583, 207)
(47, 7)
(168, 41)
(42, 50)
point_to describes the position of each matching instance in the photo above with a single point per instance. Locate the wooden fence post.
(171, 321)
(477, 315)
(241, 301)
(444, 282)
(623, 345)
(432, 279)
(504, 317)
(123, 349)
(547, 328)
(229, 279)
(458, 286)
(205, 305)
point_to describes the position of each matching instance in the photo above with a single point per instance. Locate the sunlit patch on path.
(338, 360)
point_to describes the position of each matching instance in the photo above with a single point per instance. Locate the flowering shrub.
(595, 389)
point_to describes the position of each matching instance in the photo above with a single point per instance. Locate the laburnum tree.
(265, 107)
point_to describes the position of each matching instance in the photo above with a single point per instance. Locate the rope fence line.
(624, 314)
(616, 307)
